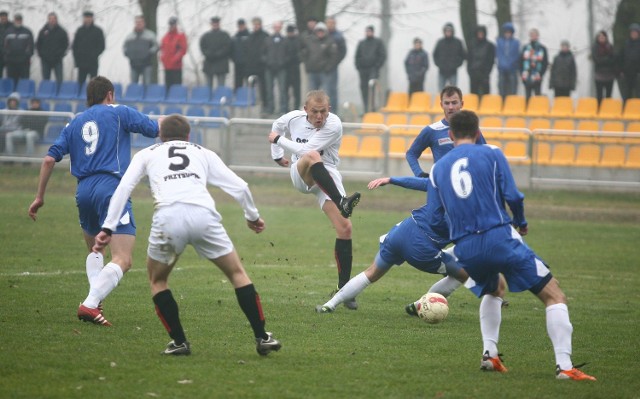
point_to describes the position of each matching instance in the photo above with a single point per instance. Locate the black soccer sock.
(167, 310)
(344, 259)
(249, 302)
(324, 180)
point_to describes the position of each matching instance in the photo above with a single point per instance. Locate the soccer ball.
(433, 308)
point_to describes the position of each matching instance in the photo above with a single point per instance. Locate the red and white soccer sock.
(104, 283)
(560, 329)
(350, 290)
(445, 286)
(94, 264)
(490, 320)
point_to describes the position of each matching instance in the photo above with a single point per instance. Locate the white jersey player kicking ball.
(178, 173)
(314, 140)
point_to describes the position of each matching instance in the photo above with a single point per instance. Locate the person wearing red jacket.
(172, 48)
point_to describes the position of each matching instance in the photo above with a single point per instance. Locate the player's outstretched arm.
(382, 181)
(45, 173)
(256, 225)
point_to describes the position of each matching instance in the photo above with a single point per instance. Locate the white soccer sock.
(560, 329)
(490, 319)
(349, 291)
(445, 286)
(103, 284)
(94, 265)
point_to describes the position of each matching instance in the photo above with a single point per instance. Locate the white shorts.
(177, 225)
(301, 186)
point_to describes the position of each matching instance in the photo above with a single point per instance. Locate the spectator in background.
(88, 44)
(332, 86)
(311, 26)
(416, 65)
(140, 47)
(563, 71)
(276, 56)
(32, 128)
(216, 48)
(370, 57)
(508, 55)
(5, 24)
(629, 64)
(10, 122)
(239, 53)
(172, 48)
(52, 45)
(18, 49)
(604, 63)
(293, 45)
(482, 56)
(448, 55)
(320, 55)
(256, 66)
(535, 61)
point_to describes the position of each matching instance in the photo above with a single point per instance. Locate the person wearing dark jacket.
(604, 64)
(448, 55)
(508, 57)
(216, 48)
(320, 56)
(52, 45)
(370, 57)
(416, 65)
(482, 55)
(256, 66)
(334, 77)
(534, 62)
(293, 45)
(5, 24)
(88, 44)
(275, 57)
(563, 71)
(141, 46)
(18, 49)
(239, 54)
(629, 64)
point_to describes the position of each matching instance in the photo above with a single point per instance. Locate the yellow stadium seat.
(490, 104)
(349, 145)
(539, 124)
(562, 107)
(613, 126)
(492, 141)
(420, 101)
(633, 157)
(516, 151)
(537, 106)
(420, 121)
(588, 155)
(471, 102)
(397, 119)
(610, 108)
(515, 123)
(397, 147)
(376, 118)
(633, 127)
(514, 105)
(490, 121)
(631, 109)
(612, 156)
(587, 108)
(397, 102)
(564, 124)
(371, 147)
(542, 152)
(593, 126)
(563, 154)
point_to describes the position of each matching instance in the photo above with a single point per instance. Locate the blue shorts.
(92, 198)
(405, 242)
(501, 250)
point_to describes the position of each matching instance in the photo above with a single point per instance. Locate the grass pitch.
(589, 239)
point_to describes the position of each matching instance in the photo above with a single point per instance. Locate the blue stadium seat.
(47, 89)
(117, 88)
(217, 112)
(68, 90)
(6, 87)
(151, 109)
(177, 94)
(24, 104)
(44, 105)
(173, 109)
(140, 141)
(81, 107)
(82, 93)
(245, 97)
(200, 95)
(52, 131)
(196, 136)
(133, 94)
(26, 88)
(61, 106)
(222, 95)
(155, 93)
(195, 110)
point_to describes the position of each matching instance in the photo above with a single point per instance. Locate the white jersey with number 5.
(178, 173)
(298, 136)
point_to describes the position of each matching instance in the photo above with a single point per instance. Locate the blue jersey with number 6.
(473, 183)
(98, 140)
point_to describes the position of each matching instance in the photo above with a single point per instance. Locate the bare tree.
(468, 20)
(503, 11)
(305, 9)
(627, 13)
(150, 13)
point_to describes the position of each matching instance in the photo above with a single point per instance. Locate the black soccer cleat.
(183, 349)
(348, 203)
(411, 309)
(266, 346)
